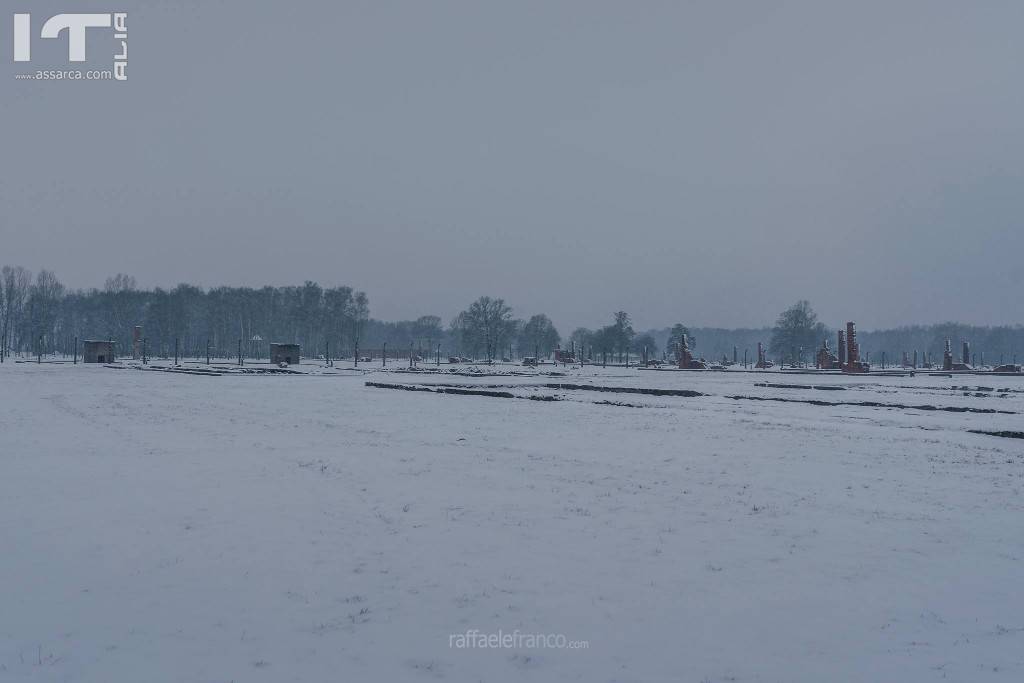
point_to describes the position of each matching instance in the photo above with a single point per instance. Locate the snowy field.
(174, 527)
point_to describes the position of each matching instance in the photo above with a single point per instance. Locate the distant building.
(284, 353)
(564, 356)
(97, 351)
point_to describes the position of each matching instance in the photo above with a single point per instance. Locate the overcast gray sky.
(709, 162)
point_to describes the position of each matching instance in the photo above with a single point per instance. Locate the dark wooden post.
(207, 351)
(384, 356)
(175, 350)
(75, 361)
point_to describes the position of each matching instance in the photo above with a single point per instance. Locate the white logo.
(75, 25)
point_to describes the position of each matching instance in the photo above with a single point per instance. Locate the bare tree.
(359, 314)
(44, 301)
(487, 323)
(797, 327)
(538, 333)
(17, 284)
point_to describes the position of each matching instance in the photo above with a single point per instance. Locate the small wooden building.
(97, 351)
(284, 353)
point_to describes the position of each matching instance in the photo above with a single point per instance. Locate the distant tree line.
(999, 344)
(798, 334)
(39, 314)
(616, 340)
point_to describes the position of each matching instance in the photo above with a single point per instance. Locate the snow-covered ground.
(173, 527)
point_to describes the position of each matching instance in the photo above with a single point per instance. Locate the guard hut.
(284, 353)
(97, 351)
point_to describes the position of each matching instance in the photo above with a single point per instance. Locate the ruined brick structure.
(947, 357)
(686, 359)
(853, 362)
(762, 362)
(825, 359)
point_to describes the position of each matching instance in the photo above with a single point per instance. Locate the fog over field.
(706, 160)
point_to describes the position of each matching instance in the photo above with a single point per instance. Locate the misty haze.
(512, 341)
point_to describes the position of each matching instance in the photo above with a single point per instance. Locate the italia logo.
(77, 26)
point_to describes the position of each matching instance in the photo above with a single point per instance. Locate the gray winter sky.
(709, 162)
